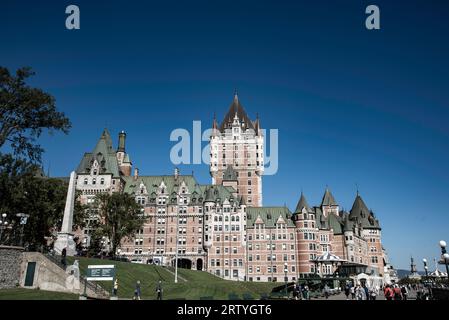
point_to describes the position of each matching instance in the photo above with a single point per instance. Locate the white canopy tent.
(371, 281)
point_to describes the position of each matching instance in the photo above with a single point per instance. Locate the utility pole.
(176, 253)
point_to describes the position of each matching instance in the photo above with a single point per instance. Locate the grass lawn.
(199, 284)
(30, 294)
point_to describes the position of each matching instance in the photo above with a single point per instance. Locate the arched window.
(95, 171)
(102, 181)
(85, 181)
(94, 181)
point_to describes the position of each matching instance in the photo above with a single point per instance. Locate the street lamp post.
(23, 221)
(176, 253)
(286, 278)
(445, 257)
(425, 267)
(3, 225)
(426, 283)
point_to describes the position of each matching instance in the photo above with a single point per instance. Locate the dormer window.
(95, 172)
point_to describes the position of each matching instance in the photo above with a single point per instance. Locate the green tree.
(23, 189)
(24, 113)
(120, 217)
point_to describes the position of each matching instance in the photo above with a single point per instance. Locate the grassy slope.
(29, 294)
(199, 284)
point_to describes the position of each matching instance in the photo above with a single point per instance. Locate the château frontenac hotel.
(223, 227)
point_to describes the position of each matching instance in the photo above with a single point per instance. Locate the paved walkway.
(173, 273)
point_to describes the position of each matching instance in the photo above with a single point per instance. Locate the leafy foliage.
(120, 217)
(25, 112)
(23, 189)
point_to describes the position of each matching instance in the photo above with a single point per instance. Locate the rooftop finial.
(236, 94)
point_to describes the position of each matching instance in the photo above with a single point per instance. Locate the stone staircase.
(51, 275)
(93, 289)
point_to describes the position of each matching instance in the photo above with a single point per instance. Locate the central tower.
(237, 154)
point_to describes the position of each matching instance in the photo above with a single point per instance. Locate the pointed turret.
(328, 199)
(348, 225)
(359, 208)
(302, 204)
(361, 212)
(236, 110)
(104, 144)
(214, 126)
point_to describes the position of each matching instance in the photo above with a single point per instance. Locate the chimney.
(121, 141)
(176, 173)
(136, 173)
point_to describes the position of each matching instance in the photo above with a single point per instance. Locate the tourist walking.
(388, 292)
(326, 291)
(137, 291)
(305, 293)
(352, 290)
(360, 293)
(115, 287)
(397, 292)
(347, 291)
(295, 292)
(404, 292)
(374, 292)
(159, 290)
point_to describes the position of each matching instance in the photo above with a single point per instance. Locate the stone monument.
(65, 237)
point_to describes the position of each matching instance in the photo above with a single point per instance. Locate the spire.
(328, 199)
(214, 127)
(236, 110)
(257, 126)
(359, 207)
(302, 204)
(104, 144)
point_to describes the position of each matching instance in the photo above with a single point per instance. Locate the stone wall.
(10, 264)
(51, 277)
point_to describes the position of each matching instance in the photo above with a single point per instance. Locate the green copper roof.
(361, 212)
(302, 204)
(152, 183)
(335, 223)
(328, 199)
(230, 174)
(320, 219)
(105, 155)
(269, 216)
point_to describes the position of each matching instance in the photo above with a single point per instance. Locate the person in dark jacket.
(159, 290)
(64, 257)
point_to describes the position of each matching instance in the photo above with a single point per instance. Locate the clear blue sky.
(351, 105)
